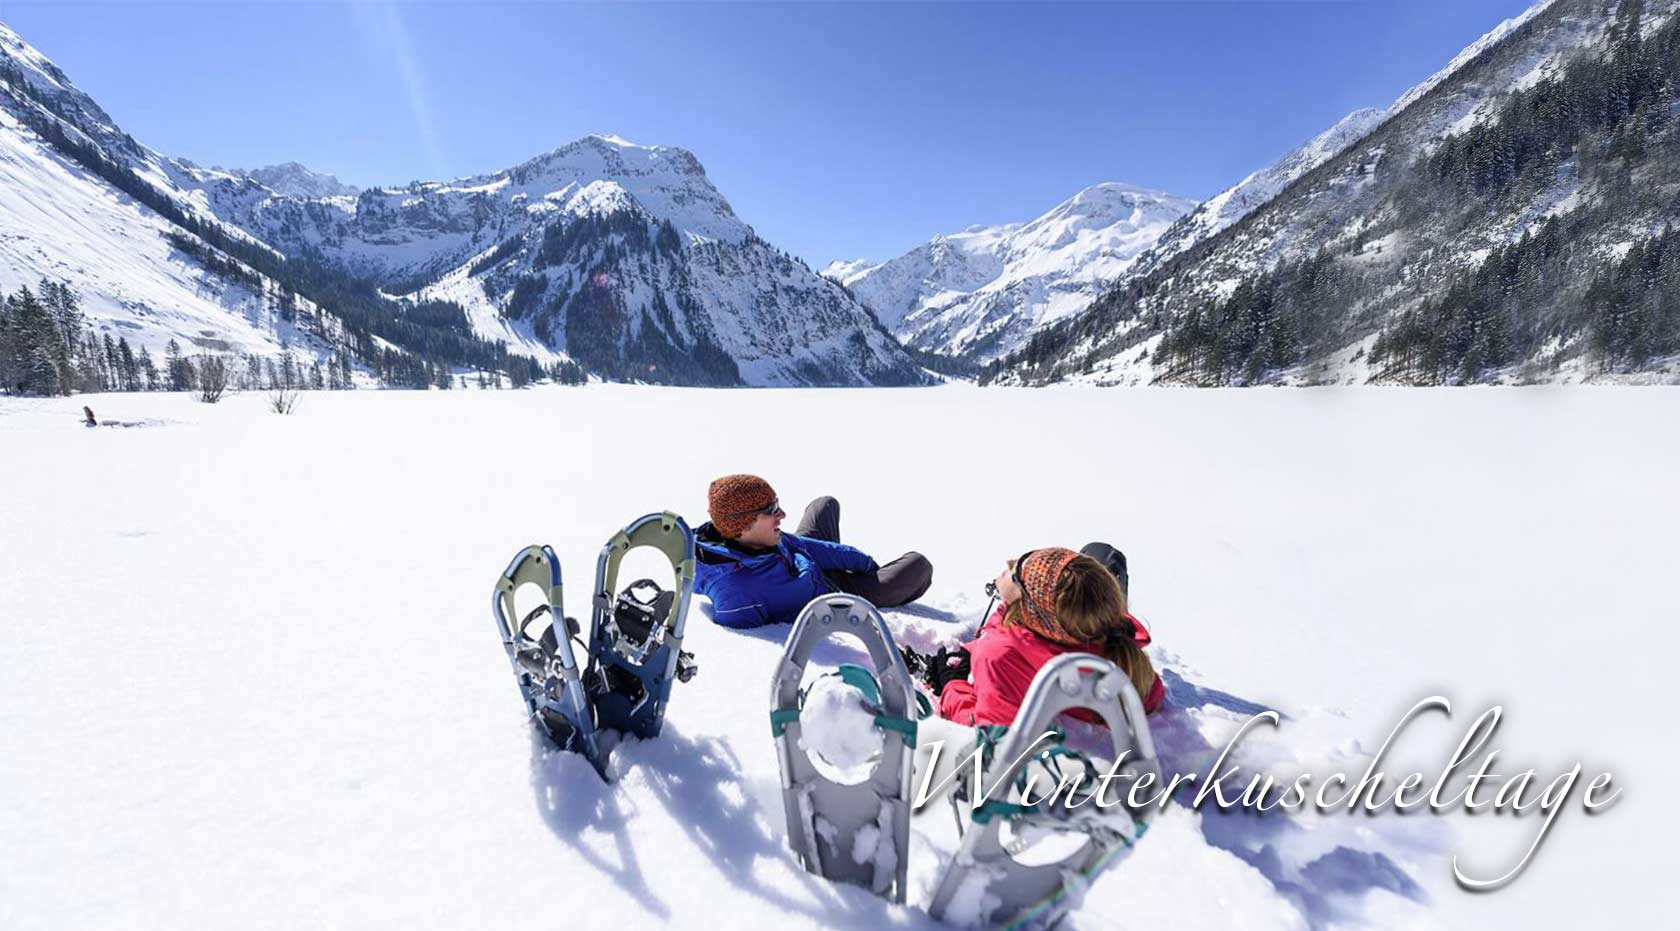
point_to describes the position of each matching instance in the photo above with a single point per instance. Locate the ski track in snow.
(249, 678)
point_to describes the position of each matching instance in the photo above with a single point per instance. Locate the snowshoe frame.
(1017, 895)
(824, 818)
(629, 677)
(545, 666)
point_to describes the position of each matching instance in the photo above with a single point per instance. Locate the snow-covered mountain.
(622, 257)
(1480, 231)
(1232, 204)
(294, 180)
(979, 293)
(61, 221)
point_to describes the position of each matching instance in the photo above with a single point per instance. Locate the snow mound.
(839, 731)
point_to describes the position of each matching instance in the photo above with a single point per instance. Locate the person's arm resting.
(836, 555)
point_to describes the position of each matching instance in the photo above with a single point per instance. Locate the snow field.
(249, 677)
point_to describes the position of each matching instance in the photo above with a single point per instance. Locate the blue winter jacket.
(753, 588)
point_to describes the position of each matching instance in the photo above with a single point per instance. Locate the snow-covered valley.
(249, 677)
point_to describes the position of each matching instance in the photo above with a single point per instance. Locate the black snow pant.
(897, 583)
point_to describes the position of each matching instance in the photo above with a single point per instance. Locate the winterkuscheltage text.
(1465, 783)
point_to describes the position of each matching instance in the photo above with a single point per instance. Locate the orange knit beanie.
(734, 501)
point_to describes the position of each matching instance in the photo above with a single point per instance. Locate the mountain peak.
(290, 179)
(616, 141)
(843, 270)
(982, 291)
(1118, 189)
(620, 154)
(1110, 197)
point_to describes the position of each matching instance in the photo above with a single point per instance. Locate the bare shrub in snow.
(212, 378)
(282, 400)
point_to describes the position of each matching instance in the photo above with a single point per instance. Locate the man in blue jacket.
(755, 574)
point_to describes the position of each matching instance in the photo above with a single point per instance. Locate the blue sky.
(836, 130)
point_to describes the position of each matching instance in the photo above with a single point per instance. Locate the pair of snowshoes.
(634, 652)
(1000, 876)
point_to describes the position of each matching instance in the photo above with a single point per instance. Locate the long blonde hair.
(1091, 614)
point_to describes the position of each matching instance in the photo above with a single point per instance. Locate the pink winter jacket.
(1003, 661)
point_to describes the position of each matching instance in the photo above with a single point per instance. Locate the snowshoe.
(539, 646)
(1025, 865)
(634, 649)
(851, 833)
(635, 640)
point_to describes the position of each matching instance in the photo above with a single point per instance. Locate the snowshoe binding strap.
(640, 617)
(859, 677)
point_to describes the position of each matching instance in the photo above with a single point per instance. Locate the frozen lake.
(248, 677)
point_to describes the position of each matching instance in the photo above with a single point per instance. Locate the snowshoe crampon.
(635, 640)
(1025, 865)
(857, 833)
(539, 645)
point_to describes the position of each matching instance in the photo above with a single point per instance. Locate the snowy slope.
(1488, 40)
(1362, 205)
(59, 221)
(1235, 202)
(980, 292)
(301, 715)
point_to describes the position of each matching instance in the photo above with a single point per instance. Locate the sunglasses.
(1047, 617)
(770, 509)
(1015, 570)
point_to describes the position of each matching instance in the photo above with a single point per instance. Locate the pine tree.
(10, 348)
(89, 376)
(148, 371)
(130, 367)
(173, 366)
(37, 357)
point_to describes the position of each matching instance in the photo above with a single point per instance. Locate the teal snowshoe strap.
(780, 718)
(988, 736)
(863, 680)
(986, 739)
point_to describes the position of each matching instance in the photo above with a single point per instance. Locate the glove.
(945, 667)
(938, 669)
(917, 663)
(948, 666)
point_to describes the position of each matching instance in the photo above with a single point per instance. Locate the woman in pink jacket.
(1055, 601)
